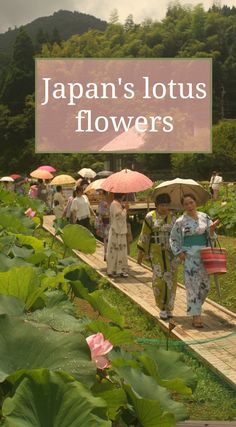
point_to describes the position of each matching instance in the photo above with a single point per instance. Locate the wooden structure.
(215, 344)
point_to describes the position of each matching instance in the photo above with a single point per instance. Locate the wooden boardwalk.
(215, 344)
(133, 206)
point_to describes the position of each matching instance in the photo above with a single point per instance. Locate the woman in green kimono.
(154, 244)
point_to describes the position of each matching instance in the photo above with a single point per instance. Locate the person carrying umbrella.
(117, 257)
(154, 243)
(188, 236)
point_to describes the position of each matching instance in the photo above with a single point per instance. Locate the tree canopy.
(185, 32)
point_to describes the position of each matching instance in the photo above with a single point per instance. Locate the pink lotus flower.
(99, 348)
(30, 213)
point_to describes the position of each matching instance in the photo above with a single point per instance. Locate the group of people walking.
(167, 242)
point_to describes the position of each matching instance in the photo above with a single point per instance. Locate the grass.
(212, 398)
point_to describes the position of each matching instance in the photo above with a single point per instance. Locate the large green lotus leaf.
(114, 334)
(84, 273)
(77, 237)
(46, 399)
(14, 219)
(24, 346)
(32, 241)
(36, 204)
(21, 252)
(145, 387)
(37, 258)
(6, 263)
(68, 261)
(106, 309)
(168, 370)
(60, 300)
(57, 320)
(121, 358)
(81, 292)
(149, 411)
(6, 242)
(53, 281)
(99, 303)
(11, 223)
(23, 283)
(115, 397)
(11, 306)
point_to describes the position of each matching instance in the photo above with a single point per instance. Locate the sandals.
(197, 322)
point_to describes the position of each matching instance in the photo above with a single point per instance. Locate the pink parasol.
(15, 176)
(126, 181)
(47, 168)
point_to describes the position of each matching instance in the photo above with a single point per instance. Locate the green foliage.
(15, 221)
(152, 403)
(169, 372)
(19, 80)
(11, 305)
(45, 399)
(28, 290)
(44, 356)
(212, 399)
(184, 32)
(114, 397)
(224, 142)
(115, 335)
(25, 346)
(225, 212)
(84, 273)
(57, 319)
(77, 237)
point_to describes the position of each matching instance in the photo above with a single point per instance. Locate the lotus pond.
(67, 355)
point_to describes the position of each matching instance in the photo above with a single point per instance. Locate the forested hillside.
(184, 32)
(49, 29)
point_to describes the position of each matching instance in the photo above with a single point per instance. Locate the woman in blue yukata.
(189, 235)
(154, 244)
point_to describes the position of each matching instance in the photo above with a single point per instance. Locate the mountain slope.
(67, 23)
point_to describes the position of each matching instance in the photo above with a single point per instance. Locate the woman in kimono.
(117, 259)
(189, 235)
(154, 244)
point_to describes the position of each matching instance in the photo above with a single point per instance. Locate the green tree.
(19, 77)
(114, 17)
(129, 23)
(55, 37)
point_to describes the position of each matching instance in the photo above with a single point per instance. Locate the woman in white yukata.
(189, 235)
(117, 257)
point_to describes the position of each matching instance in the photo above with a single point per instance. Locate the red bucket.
(214, 260)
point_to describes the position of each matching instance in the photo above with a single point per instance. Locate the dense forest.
(49, 29)
(184, 32)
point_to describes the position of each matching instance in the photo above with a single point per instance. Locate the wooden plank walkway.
(133, 206)
(215, 344)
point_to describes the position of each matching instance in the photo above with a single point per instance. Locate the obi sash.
(195, 240)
